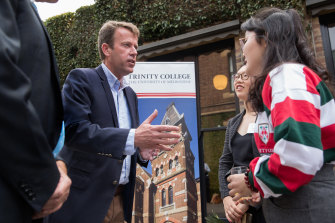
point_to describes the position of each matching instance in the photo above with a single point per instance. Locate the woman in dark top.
(239, 150)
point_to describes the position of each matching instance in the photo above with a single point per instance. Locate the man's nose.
(133, 51)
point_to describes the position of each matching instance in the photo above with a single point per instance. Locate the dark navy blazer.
(94, 146)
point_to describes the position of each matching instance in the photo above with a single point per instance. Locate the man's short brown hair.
(106, 33)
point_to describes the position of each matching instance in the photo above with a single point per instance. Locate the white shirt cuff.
(130, 149)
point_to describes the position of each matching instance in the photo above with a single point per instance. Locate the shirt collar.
(113, 81)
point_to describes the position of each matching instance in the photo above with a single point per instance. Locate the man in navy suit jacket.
(104, 140)
(32, 185)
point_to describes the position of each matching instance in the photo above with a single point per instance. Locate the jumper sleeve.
(292, 105)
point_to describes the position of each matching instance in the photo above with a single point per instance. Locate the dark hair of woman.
(286, 42)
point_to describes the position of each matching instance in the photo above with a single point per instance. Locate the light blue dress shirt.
(124, 119)
(33, 4)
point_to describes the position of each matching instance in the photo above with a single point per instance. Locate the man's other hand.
(60, 194)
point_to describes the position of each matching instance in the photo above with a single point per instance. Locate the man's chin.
(130, 70)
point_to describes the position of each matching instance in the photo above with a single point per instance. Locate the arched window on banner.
(163, 198)
(170, 195)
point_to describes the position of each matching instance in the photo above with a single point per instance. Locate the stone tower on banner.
(170, 194)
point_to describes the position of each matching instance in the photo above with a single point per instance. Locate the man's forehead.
(126, 39)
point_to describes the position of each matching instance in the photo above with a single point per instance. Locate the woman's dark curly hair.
(286, 42)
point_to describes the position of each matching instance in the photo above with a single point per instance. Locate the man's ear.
(106, 49)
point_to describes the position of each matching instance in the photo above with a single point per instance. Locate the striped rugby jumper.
(296, 132)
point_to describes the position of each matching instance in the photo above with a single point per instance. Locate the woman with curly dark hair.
(295, 125)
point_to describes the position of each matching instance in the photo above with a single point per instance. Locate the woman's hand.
(237, 187)
(254, 200)
(234, 212)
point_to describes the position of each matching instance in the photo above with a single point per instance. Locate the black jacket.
(226, 160)
(31, 112)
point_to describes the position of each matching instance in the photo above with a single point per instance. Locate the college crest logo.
(263, 132)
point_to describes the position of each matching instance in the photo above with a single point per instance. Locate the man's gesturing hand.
(148, 137)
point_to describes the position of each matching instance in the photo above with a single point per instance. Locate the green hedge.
(74, 35)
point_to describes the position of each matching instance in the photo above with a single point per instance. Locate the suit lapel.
(109, 94)
(131, 101)
(235, 126)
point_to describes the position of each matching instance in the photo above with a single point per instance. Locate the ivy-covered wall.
(74, 35)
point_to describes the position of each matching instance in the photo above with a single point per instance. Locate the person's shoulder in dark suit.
(31, 117)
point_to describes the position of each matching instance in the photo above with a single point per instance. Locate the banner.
(170, 88)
